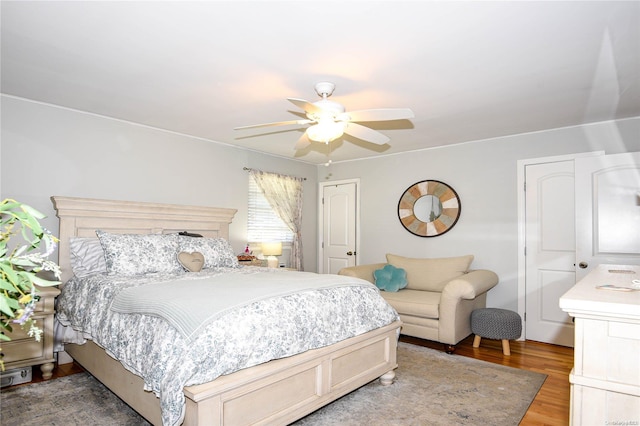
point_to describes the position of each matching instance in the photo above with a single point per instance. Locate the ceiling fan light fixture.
(326, 131)
(329, 120)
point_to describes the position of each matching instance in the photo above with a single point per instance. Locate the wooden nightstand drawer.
(22, 350)
(43, 322)
(18, 332)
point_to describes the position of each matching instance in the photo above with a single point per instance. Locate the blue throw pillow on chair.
(390, 278)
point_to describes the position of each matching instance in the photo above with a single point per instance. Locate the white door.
(339, 207)
(550, 250)
(607, 211)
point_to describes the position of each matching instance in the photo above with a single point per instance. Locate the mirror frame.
(451, 208)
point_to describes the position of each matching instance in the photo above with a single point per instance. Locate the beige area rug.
(431, 388)
(76, 400)
(436, 389)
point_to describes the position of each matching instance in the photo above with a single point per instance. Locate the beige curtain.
(284, 194)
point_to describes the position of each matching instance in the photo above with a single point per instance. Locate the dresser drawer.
(608, 350)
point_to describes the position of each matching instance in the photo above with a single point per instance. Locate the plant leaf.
(41, 282)
(11, 275)
(6, 305)
(9, 205)
(32, 212)
(22, 261)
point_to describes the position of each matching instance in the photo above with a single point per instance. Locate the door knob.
(349, 253)
(583, 265)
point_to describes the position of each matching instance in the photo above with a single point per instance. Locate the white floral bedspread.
(249, 335)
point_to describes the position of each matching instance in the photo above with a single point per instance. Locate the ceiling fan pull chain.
(328, 163)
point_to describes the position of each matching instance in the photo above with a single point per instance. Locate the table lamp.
(271, 250)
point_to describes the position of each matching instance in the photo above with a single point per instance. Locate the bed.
(276, 391)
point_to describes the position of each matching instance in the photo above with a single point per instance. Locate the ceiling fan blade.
(365, 133)
(307, 106)
(277, 123)
(303, 142)
(383, 114)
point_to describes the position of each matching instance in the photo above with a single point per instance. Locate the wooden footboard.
(276, 392)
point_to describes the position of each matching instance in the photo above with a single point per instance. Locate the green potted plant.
(20, 263)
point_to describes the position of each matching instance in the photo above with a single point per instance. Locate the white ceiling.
(468, 70)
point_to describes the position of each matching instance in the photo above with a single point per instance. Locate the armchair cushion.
(431, 274)
(390, 278)
(418, 303)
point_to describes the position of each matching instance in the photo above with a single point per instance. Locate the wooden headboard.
(80, 217)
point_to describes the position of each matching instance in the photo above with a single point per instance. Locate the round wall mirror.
(429, 208)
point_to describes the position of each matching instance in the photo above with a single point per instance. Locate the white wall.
(46, 151)
(483, 173)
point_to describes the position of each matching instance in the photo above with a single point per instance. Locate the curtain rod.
(249, 169)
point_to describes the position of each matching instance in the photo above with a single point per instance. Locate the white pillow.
(135, 254)
(86, 256)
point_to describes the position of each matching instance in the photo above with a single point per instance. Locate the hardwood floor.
(58, 371)
(551, 406)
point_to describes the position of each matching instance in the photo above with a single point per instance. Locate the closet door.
(339, 226)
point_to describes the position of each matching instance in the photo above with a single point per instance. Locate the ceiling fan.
(329, 120)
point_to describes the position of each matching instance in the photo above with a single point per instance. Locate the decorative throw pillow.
(86, 256)
(431, 274)
(192, 262)
(217, 251)
(390, 278)
(135, 254)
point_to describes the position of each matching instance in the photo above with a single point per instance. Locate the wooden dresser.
(22, 350)
(605, 380)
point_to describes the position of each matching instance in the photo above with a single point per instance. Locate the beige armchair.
(439, 297)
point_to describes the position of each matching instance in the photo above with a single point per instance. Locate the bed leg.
(387, 378)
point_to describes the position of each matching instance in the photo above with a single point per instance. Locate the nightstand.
(258, 263)
(24, 351)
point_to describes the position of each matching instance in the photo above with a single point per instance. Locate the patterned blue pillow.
(217, 252)
(135, 254)
(390, 278)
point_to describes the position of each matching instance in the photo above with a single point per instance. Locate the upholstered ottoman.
(494, 323)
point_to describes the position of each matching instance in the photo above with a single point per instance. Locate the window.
(264, 224)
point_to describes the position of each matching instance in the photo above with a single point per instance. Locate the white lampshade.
(271, 250)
